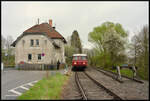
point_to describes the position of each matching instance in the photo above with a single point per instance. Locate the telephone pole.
(38, 21)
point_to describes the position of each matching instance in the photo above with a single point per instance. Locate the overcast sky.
(70, 16)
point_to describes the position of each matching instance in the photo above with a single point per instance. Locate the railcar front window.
(75, 58)
(83, 57)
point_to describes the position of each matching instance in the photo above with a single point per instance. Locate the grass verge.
(126, 72)
(47, 88)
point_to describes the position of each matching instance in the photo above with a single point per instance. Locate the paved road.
(14, 78)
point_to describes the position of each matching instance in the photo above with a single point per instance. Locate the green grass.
(126, 72)
(47, 88)
(143, 74)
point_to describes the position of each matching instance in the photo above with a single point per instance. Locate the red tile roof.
(45, 27)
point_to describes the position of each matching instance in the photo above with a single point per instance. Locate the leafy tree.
(109, 39)
(69, 50)
(3, 42)
(73, 46)
(140, 49)
(135, 48)
(76, 42)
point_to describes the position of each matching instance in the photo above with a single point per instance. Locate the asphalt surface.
(11, 78)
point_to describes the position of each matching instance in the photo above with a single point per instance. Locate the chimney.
(50, 22)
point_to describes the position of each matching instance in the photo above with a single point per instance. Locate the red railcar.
(79, 61)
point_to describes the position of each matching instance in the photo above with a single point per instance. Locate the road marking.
(21, 86)
(15, 92)
(11, 95)
(30, 84)
(25, 84)
(36, 81)
(24, 87)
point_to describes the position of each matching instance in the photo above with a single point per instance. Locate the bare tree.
(3, 42)
(144, 38)
(140, 50)
(135, 48)
(9, 41)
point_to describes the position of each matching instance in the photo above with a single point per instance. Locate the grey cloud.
(69, 16)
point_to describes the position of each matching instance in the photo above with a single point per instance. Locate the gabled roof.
(43, 28)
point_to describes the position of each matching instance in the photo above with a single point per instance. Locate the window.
(32, 42)
(29, 56)
(23, 42)
(75, 58)
(45, 42)
(39, 56)
(83, 57)
(37, 42)
(51, 61)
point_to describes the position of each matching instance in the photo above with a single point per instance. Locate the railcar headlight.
(83, 62)
(75, 63)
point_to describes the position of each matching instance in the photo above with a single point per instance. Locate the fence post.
(2, 66)
(42, 66)
(134, 71)
(119, 74)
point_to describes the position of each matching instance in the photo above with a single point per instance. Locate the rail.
(120, 81)
(100, 85)
(139, 81)
(84, 96)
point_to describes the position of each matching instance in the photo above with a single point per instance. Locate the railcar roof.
(79, 55)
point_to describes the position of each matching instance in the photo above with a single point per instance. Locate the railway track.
(71, 91)
(114, 76)
(91, 89)
(110, 75)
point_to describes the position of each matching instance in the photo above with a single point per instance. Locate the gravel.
(70, 90)
(129, 90)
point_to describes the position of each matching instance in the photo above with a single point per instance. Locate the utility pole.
(38, 21)
(135, 54)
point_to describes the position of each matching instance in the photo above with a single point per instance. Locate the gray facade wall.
(52, 54)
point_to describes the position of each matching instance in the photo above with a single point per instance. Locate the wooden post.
(42, 66)
(47, 73)
(119, 74)
(134, 71)
(2, 66)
